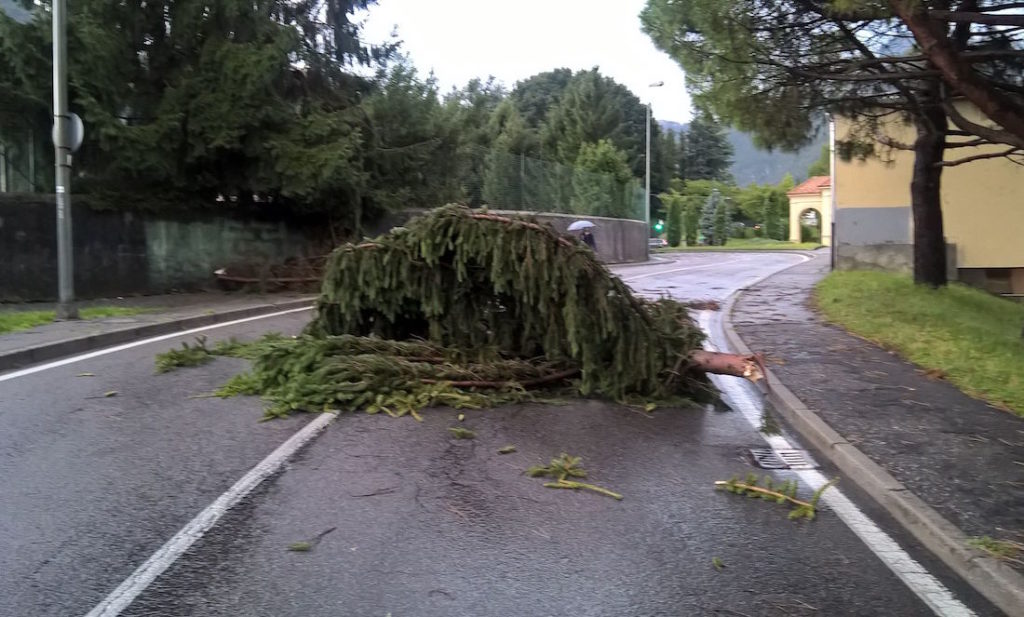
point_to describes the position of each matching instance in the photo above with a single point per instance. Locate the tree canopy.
(774, 67)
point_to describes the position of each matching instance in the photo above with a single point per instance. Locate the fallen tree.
(467, 308)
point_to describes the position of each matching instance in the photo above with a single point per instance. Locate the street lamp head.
(657, 84)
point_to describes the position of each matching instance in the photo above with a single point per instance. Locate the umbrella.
(578, 225)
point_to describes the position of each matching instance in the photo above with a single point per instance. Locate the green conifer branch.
(780, 494)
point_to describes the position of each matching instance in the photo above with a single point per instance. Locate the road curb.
(999, 583)
(26, 356)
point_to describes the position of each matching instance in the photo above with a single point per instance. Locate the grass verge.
(747, 244)
(970, 337)
(23, 320)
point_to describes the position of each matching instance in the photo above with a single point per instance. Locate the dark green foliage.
(189, 355)
(676, 203)
(720, 234)
(809, 233)
(591, 108)
(708, 151)
(691, 223)
(601, 182)
(823, 165)
(709, 218)
(536, 95)
(489, 285)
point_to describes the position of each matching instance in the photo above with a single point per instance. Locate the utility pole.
(62, 154)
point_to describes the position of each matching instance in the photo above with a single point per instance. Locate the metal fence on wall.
(510, 181)
(23, 167)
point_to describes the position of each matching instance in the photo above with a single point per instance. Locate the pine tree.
(721, 221)
(707, 217)
(675, 217)
(708, 151)
(594, 107)
(691, 222)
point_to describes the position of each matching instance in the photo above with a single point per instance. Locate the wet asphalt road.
(422, 524)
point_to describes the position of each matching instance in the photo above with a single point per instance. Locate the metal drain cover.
(767, 458)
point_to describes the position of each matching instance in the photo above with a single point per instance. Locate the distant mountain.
(752, 164)
(672, 127)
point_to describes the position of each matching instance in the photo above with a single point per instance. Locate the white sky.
(512, 40)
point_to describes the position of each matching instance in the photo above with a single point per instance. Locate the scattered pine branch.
(563, 468)
(781, 494)
(189, 355)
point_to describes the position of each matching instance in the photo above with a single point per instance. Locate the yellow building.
(982, 208)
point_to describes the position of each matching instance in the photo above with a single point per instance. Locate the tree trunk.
(748, 367)
(925, 194)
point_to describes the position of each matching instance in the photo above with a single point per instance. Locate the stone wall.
(618, 240)
(880, 239)
(130, 253)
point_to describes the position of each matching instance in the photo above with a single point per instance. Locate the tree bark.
(748, 367)
(926, 192)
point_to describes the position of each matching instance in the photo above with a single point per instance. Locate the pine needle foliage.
(563, 468)
(782, 494)
(195, 354)
(498, 287)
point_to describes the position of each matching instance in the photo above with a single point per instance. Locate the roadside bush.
(809, 233)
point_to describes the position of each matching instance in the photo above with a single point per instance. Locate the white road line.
(711, 265)
(145, 574)
(650, 274)
(155, 339)
(925, 586)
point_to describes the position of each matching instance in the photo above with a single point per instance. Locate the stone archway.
(813, 195)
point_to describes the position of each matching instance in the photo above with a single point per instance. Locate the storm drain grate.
(782, 459)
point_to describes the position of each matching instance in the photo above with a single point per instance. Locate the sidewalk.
(960, 456)
(161, 315)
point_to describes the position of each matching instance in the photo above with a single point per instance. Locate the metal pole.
(832, 189)
(647, 186)
(62, 155)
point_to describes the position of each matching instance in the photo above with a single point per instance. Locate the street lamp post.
(62, 148)
(647, 183)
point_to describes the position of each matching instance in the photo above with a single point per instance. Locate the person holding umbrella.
(588, 238)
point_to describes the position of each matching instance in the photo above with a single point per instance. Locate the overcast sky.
(462, 39)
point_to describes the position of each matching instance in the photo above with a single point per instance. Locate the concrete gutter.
(1000, 584)
(18, 358)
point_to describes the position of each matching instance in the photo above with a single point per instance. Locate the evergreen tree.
(190, 100)
(707, 217)
(691, 222)
(676, 203)
(594, 107)
(507, 176)
(721, 222)
(536, 95)
(470, 109)
(601, 181)
(708, 151)
(822, 166)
